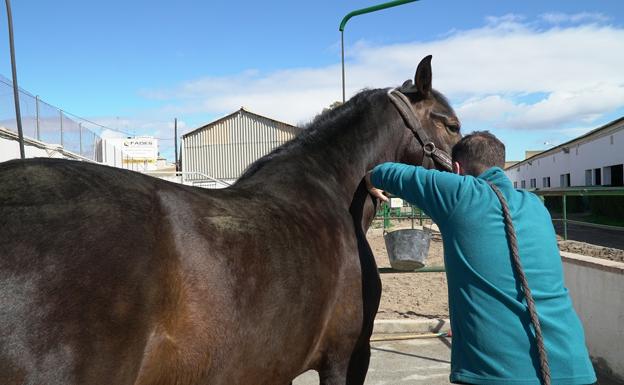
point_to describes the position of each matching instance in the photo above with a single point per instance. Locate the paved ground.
(408, 362)
(412, 362)
(601, 237)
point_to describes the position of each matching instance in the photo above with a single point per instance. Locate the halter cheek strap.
(431, 154)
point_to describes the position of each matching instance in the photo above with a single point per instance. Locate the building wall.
(595, 153)
(225, 149)
(596, 287)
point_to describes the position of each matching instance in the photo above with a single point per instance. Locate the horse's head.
(432, 126)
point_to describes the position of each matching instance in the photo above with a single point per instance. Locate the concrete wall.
(597, 290)
(9, 148)
(595, 152)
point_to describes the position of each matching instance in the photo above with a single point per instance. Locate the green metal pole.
(430, 269)
(565, 219)
(386, 211)
(357, 12)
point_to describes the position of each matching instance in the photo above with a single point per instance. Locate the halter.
(431, 154)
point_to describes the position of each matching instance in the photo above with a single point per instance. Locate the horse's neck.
(336, 164)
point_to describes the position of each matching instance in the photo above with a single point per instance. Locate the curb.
(392, 326)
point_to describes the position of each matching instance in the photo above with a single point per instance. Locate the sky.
(535, 73)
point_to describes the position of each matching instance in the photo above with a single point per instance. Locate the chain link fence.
(48, 124)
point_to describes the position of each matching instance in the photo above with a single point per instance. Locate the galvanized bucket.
(408, 248)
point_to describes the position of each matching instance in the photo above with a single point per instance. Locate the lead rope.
(513, 244)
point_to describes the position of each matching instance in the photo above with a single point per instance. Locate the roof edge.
(240, 110)
(562, 145)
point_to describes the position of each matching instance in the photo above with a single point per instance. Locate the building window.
(617, 175)
(564, 180)
(515, 184)
(523, 184)
(533, 183)
(611, 139)
(588, 177)
(546, 181)
(597, 177)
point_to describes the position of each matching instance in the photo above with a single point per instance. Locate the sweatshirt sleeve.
(436, 193)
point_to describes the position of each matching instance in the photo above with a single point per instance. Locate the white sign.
(137, 149)
(396, 203)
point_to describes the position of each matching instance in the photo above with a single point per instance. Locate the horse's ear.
(422, 79)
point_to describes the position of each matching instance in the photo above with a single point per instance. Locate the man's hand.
(377, 193)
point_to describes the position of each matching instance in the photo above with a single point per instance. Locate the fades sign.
(137, 149)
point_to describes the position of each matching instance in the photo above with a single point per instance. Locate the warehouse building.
(593, 159)
(223, 149)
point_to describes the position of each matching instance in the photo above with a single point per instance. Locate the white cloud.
(559, 18)
(119, 127)
(578, 68)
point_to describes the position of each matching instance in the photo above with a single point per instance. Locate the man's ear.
(457, 168)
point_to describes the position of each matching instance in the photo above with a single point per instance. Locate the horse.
(109, 276)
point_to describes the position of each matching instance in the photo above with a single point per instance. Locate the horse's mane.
(320, 130)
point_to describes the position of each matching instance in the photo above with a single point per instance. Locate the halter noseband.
(431, 153)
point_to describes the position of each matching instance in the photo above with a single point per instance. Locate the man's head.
(477, 152)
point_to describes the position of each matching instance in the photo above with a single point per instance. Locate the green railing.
(405, 211)
(580, 191)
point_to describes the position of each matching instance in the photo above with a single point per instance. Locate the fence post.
(18, 114)
(386, 212)
(565, 219)
(80, 136)
(37, 116)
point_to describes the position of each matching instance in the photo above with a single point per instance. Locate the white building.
(593, 159)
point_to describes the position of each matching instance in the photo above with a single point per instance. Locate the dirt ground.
(410, 295)
(592, 250)
(417, 295)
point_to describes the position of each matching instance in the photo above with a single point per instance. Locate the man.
(493, 338)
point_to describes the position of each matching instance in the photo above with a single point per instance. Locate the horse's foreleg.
(335, 374)
(358, 364)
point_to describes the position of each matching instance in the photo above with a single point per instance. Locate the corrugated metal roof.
(241, 110)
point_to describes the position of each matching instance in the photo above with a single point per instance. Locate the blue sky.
(530, 71)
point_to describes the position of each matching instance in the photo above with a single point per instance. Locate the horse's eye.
(453, 127)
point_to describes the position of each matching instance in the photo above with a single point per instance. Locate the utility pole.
(175, 141)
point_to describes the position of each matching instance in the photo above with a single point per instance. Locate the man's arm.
(436, 193)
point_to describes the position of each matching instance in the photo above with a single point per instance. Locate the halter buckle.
(429, 148)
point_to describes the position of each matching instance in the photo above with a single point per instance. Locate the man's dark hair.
(479, 151)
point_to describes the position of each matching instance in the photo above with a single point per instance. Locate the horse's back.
(80, 273)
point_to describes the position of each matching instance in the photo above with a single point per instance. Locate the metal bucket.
(407, 248)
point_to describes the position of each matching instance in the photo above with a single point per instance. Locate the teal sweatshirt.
(493, 339)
